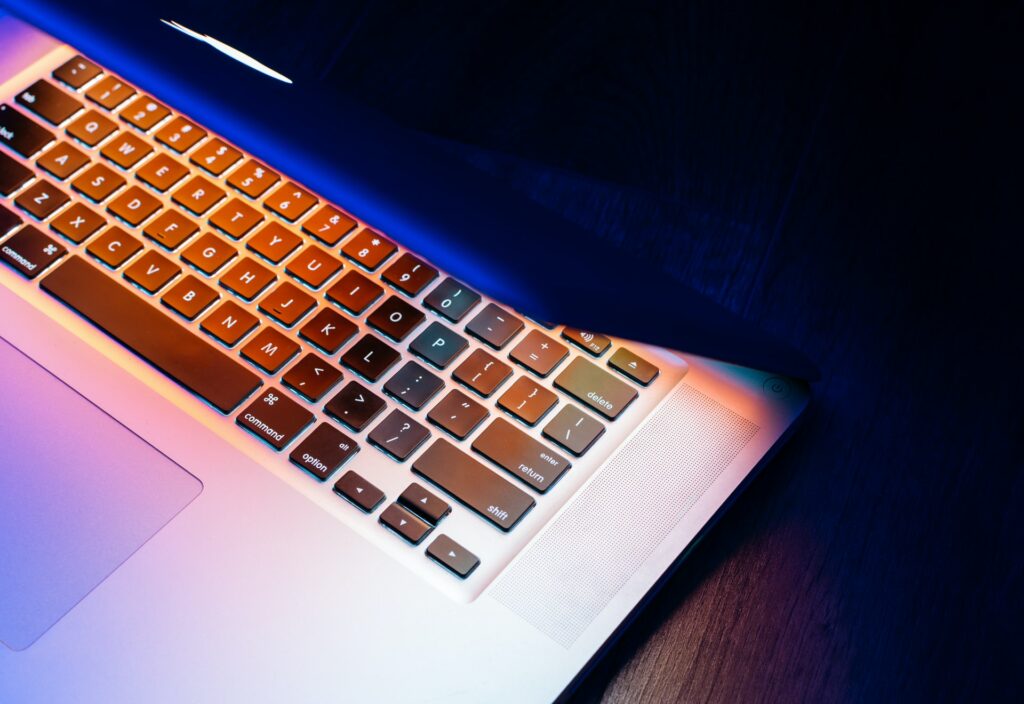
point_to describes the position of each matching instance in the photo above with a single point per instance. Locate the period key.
(275, 418)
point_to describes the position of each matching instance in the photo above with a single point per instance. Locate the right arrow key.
(452, 556)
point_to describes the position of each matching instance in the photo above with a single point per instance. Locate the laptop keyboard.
(315, 333)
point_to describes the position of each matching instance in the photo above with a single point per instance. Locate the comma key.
(275, 418)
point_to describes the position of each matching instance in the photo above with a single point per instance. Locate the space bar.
(178, 353)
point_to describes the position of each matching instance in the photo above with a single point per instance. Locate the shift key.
(596, 388)
(473, 484)
(275, 418)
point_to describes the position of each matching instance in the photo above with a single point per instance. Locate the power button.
(777, 387)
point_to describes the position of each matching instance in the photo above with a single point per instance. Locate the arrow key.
(311, 377)
(358, 491)
(424, 504)
(405, 524)
(452, 556)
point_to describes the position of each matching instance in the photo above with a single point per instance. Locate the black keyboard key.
(13, 175)
(329, 225)
(439, 345)
(452, 300)
(313, 266)
(458, 414)
(30, 251)
(49, 102)
(371, 357)
(145, 113)
(539, 353)
(590, 342)
(98, 182)
(369, 249)
(270, 350)
(596, 388)
(409, 274)
(109, 92)
(495, 326)
(424, 504)
(77, 72)
(413, 385)
(41, 199)
(62, 160)
(177, 352)
(401, 521)
(452, 556)
(273, 242)
(287, 304)
(134, 206)
(520, 455)
(229, 323)
(311, 377)
(481, 372)
(189, 297)
(114, 247)
(360, 492)
(573, 430)
(633, 366)
(91, 128)
(324, 451)
(252, 178)
(274, 418)
(8, 220)
(20, 133)
(527, 400)
(471, 483)
(328, 330)
(77, 223)
(355, 406)
(151, 272)
(395, 318)
(354, 292)
(398, 435)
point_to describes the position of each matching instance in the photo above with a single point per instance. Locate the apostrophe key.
(405, 524)
(360, 492)
(30, 251)
(520, 455)
(458, 414)
(424, 504)
(77, 72)
(20, 133)
(311, 377)
(398, 435)
(274, 418)
(494, 326)
(324, 451)
(596, 388)
(452, 556)
(355, 406)
(49, 102)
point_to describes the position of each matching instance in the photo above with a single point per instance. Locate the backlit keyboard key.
(30, 251)
(49, 102)
(371, 357)
(273, 242)
(483, 373)
(369, 249)
(311, 377)
(269, 350)
(247, 278)
(452, 300)
(275, 418)
(190, 297)
(78, 223)
(328, 330)
(520, 455)
(41, 199)
(409, 274)
(215, 156)
(229, 323)
(633, 366)
(452, 556)
(170, 229)
(252, 178)
(12, 175)
(329, 225)
(126, 150)
(109, 92)
(145, 113)
(596, 388)
(114, 247)
(355, 406)
(8, 220)
(161, 172)
(91, 128)
(360, 492)
(395, 318)
(180, 134)
(592, 343)
(62, 160)
(77, 72)
(438, 345)
(527, 400)
(458, 414)
(313, 266)
(198, 195)
(151, 272)
(573, 429)
(22, 134)
(354, 292)
(134, 206)
(473, 484)
(290, 202)
(413, 385)
(236, 218)
(424, 504)
(324, 451)
(405, 524)
(208, 253)
(495, 326)
(539, 353)
(398, 435)
(98, 182)
(287, 303)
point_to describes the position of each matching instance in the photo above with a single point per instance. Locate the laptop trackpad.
(79, 493)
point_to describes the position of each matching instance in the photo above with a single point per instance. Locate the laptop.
(298, 407)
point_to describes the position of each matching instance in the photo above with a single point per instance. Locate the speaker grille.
(593, 547)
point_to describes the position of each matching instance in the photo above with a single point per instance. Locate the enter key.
(520, 455)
